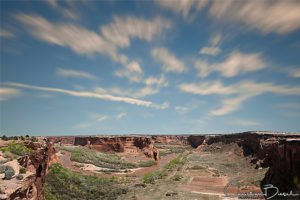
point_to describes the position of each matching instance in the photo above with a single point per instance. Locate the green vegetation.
(169, 149)
(19, 177)
(62, 183)
(99, 159)
(177, 177)
(18, 149)
(147, 163)
(8, 173)
(22, 170)
(196, 167)
(174, 164)
(153, 176)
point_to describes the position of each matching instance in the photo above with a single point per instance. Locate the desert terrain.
(234, 166)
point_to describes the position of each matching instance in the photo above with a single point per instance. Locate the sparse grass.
(196, 167)
(153, 176)
(15, 148)
(99, 159)
(177, 177)
(176, 163)
(147, 163)
(62, 183)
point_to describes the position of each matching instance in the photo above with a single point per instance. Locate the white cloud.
(6, 34)
(70, 73)
(121, 115)
(236, 63)
(78, 39)
(264, 15)
(183, 7)
(152, 86)
(132, 71)
(86, 42)
(160, 81)
(233, 96)
(216, 39)
(6, 93)
(163, 106)
(295, 73)
(210, 51)
(67, 9)
(84, 94)
(123, 29)
(170, 62)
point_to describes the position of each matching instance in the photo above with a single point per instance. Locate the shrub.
(176, 163)
(9, 173)
(17, 148)
(2, 169)
(62, 183)
(19, 177)
(197, 167)
(177, 177)
(147, 163)
(22, 170)
(153, 176)
(99, 159)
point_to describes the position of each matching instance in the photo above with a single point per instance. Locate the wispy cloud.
(7, 93)
(95, 118)
(233, 96)
(78, 39)
(97, 94)
(132, 71)
(170, 62)
(123, 29)
(266, 16)
(295, 73)
(71, 73)
(236, 63)
(6, 33)
(210, 51)
(152, 85)
(183, 7)
(68, 9)
(121, 115)
(85, 94)
(213, 49)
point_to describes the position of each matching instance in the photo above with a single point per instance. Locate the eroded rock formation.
(36, 165)
(126, 144)
(280, 152)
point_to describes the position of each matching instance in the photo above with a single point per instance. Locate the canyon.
(278, 153)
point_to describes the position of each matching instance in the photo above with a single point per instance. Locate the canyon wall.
(126, 144)
(280, 152)
(36, 165)
(170, 139)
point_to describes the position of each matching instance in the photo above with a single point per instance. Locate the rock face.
(170, 139)
(126, 144)
(279, 152)
(62, 139)
(36, 164)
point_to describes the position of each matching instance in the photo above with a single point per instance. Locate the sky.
(149, 67)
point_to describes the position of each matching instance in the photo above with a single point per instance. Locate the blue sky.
(149, 67)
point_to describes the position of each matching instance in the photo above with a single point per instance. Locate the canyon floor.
(181, 172)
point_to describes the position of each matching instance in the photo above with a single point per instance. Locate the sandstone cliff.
(31, 186)
(280, 152)
(127, 144)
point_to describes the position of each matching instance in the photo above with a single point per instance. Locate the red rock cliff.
(36, 164)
